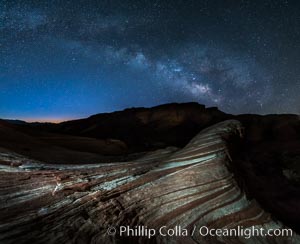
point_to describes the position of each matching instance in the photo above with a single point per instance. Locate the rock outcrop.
(189, 187)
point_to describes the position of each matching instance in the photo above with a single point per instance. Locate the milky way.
(70, 59)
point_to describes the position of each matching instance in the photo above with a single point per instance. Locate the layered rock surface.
(190, 187)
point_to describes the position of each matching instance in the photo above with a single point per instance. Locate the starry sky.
(65, 59)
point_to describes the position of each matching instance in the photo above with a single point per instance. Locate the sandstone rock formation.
(191, 187)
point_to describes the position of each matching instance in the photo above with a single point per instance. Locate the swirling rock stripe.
(191, 187)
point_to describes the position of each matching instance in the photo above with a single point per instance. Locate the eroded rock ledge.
(44, 203)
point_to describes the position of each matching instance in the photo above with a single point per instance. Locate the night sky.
(69, 59)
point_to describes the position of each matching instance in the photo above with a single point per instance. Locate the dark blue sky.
(70, 59)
